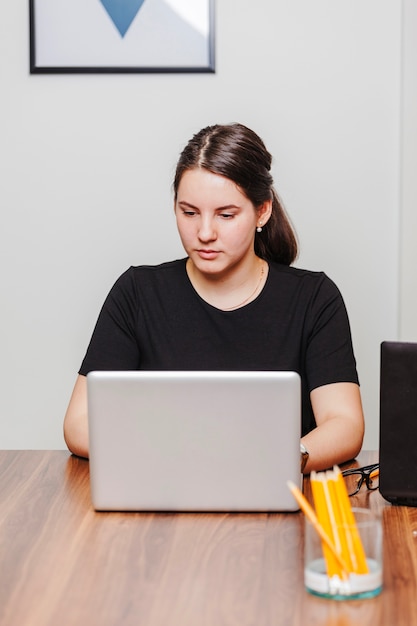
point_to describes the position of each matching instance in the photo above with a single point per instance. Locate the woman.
(235, 302)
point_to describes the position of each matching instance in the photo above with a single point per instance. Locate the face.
(216, 222)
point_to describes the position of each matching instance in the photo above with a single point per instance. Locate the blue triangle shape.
(122, 12)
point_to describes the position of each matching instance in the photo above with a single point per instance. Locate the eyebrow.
(220, 208)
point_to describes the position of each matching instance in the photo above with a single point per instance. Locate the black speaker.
(398, 423)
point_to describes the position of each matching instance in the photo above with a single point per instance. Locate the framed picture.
(121, 36)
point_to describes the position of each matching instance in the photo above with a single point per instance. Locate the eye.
(188, 212)
(227, 216)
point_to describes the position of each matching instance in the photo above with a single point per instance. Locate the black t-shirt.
(153, 319)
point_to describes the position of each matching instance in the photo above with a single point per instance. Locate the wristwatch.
(304, 456)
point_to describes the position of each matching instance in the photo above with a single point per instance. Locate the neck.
(232, 290)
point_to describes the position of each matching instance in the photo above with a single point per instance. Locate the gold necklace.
(237, 306)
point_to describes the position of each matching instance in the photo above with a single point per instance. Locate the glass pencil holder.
(360, 552)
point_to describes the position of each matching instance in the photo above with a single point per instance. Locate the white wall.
(408, 212)
(86, 165)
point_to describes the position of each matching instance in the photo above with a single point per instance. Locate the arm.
(76, 419)
(340, 428)
(113, 346)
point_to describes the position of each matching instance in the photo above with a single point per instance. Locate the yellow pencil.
(358, 555)
(310, 514)
(339, 506)
(322, 512)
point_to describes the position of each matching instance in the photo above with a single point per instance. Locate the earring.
(259, 228)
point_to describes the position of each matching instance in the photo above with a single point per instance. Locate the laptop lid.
(398, 422)
(194, 441)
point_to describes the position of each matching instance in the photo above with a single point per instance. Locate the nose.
(207, 229)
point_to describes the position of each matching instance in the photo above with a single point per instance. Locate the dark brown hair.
(236, 152)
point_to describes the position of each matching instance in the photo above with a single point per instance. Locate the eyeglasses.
(355, 477)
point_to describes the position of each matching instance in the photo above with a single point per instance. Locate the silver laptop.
(194, 441)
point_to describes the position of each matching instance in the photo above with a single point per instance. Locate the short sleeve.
(114, 345)
(329, 351)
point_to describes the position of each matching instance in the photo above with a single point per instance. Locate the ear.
(264, 212)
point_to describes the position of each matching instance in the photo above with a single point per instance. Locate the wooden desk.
(63, 564)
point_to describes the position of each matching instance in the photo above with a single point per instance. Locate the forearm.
(76, 420)
(76, 437)
(332, 443)
(339, 433)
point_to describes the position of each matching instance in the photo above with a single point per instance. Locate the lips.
(208, 254)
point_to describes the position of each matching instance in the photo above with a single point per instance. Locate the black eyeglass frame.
(365, 476)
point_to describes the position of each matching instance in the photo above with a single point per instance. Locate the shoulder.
(170, 267)
(298, 277)
(143, 273)
(311, 291)
(139, 280)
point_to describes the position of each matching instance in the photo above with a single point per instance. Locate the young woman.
(235, 302)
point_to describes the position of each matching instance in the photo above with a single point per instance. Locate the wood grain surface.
(64, 564)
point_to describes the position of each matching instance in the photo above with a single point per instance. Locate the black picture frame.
(131, 39)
